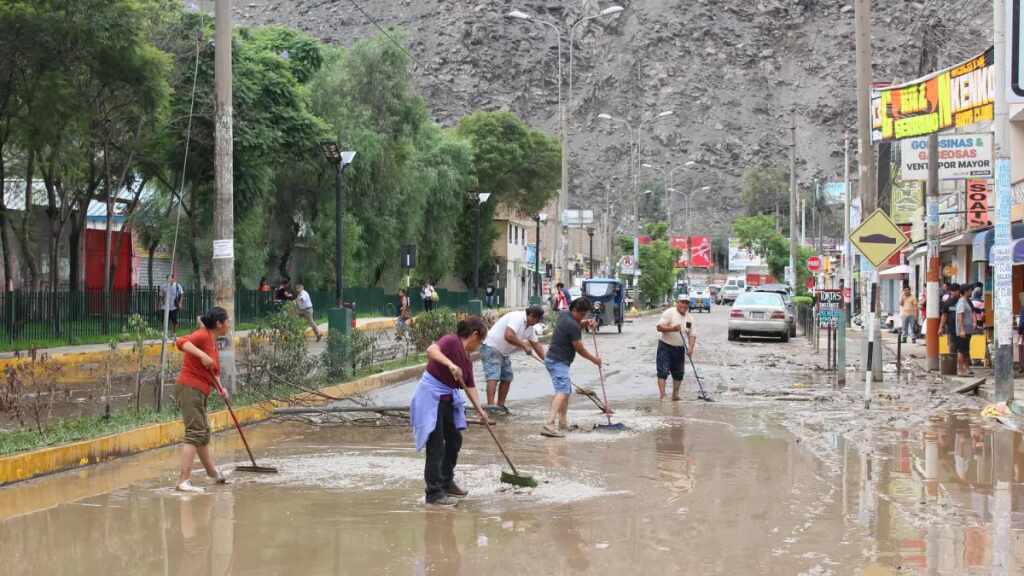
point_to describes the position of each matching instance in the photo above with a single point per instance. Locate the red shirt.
(193, 374)
(451, 346)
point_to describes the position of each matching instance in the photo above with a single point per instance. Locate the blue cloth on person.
(423, 408)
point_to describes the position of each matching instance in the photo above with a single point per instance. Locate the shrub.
(347, 354)
(427, 327)
(803, 301)
(278, 353)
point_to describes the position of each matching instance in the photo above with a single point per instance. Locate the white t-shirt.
(517, 322)
(672, 317)
(303, 301)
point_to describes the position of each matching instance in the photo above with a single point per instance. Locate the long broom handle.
(238, 427)
(491, 432)
(600, 372)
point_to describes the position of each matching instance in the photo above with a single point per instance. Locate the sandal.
(551, 432)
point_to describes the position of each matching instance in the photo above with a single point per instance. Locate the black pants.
(428, 304)
(443, 447)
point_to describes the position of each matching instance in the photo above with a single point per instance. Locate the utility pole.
(933, 299)
(793, 203)
(1003, 273)
(866, 180)
(224, 203)
(848, 249)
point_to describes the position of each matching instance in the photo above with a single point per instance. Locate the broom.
(514, 478)
(254, 467)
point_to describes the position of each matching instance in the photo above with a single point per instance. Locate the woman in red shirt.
(200, 371)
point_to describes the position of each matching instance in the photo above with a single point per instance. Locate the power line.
(384, 32)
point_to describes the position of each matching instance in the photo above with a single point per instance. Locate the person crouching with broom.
(437, 411)
(200, 371)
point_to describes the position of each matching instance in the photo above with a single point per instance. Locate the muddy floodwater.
(740, 486)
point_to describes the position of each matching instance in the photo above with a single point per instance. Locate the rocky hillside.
(731, 70)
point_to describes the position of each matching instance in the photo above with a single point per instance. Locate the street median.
(27, 465)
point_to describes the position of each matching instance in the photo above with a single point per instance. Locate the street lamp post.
(539, 218)
(590, 233)
(563, 193)
(334, 154)
(668, 177)
(480, 199)
(635, 151)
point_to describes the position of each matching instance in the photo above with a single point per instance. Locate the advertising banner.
(958, 96)
(835, 191)
(531, 256)
(961, 156)
(700, 252)
(682, 244)
(979, 199)
(906, 201)
(740, 257)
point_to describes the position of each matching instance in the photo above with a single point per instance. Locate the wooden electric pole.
(223, 210)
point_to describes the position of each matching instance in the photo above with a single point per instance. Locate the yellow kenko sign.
(958, 96)
(878, 238)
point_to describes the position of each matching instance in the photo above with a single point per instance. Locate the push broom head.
(617, 427)
(518, 480)
(257, 469)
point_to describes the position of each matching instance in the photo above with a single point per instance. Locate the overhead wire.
(383, 31)
(177, 219)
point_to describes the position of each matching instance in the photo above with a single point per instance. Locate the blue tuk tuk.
(607, 297)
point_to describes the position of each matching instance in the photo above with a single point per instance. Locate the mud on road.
(750, 484)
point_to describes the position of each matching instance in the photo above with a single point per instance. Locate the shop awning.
(1017, 249)
(918, 252)
(961, 239)
(984, 239)
(894, 272)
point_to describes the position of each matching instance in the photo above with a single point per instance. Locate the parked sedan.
(759, 314)
(783, 290)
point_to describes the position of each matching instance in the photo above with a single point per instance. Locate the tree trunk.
(151, 249)
(5, 242)
(107, 240)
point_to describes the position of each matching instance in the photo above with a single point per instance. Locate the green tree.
(657, 265)
(759, 234)
(519, 166)
(765, 190)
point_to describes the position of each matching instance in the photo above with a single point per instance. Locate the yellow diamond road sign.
(878, 238)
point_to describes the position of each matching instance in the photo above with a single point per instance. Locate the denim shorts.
(560, 380)
(497, 366)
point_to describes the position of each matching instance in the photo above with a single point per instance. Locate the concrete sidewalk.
(915, 355)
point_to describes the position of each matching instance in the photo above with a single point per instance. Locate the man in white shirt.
(513, 331)
(678, 338)
(305, 306)
(172, 295)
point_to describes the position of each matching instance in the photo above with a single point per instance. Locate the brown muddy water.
(690, 489)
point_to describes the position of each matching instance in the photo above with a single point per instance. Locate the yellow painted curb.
(26, 465)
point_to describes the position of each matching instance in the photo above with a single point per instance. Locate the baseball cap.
(683, 298)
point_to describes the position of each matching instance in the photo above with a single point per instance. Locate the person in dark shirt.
(437, 410)
(284, 292)
(566, 342)
(948, 312)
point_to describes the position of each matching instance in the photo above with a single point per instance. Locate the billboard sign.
(979, 199)
(906, 201)
(955, 97)
(682, 244)
(700, 252)
(961, 156)
(740, 257)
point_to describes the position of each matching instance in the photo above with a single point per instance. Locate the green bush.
(803, 301)
(427, 327)
(347, 354)
(278, 353)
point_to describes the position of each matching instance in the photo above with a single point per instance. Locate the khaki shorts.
(192, 404)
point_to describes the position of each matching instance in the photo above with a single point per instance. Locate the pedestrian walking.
(172, 296)
(678, 337)
(429, 295)
(947, 326)
(437, 411)
(562, 297)
(566, 342)
(965, 329)
(200, 371)
(404, 314)
(304, 305)
(908, 313)
(512, 332)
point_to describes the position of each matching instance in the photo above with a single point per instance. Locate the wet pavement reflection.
(746, 485)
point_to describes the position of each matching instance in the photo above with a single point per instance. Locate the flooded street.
(750, 484)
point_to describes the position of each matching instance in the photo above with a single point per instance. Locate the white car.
(758, 314)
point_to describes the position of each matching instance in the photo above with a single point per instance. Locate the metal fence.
(44, 318)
